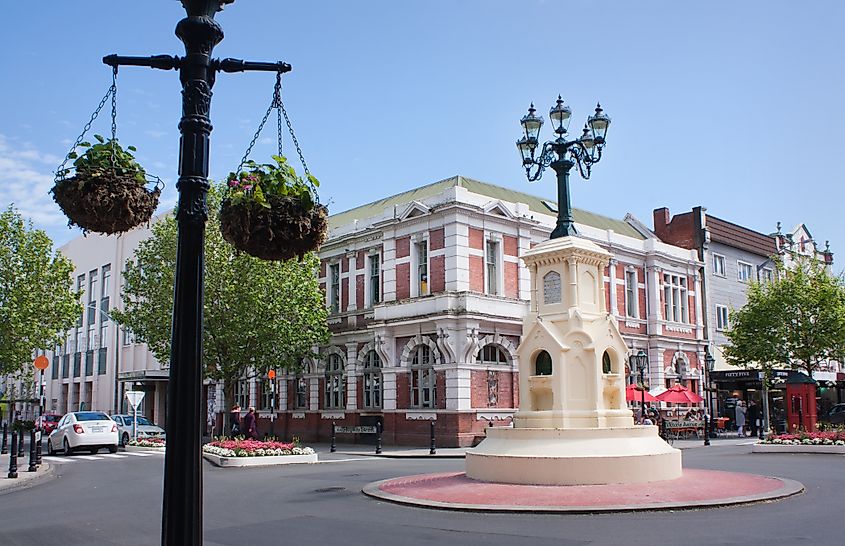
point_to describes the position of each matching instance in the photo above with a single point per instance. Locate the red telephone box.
(800, 403)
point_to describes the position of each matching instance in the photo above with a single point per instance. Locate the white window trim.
(330, 287)
(629, 270)
(416, 241)
(724, 265)
(724, 323)
(739, 264)
(680, 288)
(498, 264)
(368, 281)
(769, 278)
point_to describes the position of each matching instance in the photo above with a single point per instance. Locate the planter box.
(139, 448)
(228, 462)
(780, 448)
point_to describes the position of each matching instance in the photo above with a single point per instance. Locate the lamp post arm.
(174, 62)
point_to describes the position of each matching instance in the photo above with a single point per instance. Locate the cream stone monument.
(573, 426)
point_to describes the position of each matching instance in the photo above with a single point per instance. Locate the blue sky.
(736, 106)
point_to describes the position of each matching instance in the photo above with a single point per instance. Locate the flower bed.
(256, 453)
(155, 443)
(803, 442)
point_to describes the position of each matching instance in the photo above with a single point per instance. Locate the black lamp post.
(639, 362)
(709, 362)
(561, 154)
(182, 503)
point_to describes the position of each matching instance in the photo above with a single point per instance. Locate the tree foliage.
(258, 315)
(37, 304)
(797, 320)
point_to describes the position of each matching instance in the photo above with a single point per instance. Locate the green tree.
(258, 315)
(37, 304)
(797, 320)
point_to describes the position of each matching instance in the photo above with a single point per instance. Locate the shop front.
(747, 386)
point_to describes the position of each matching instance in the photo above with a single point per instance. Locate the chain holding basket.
(269, 211)
(105, 189)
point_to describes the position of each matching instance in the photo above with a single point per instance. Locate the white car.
(89, 430)
(146, 429)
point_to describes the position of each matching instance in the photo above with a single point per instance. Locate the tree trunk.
(228, 402)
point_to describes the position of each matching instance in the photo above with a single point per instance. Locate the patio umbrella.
(632, 393)
(678, 394)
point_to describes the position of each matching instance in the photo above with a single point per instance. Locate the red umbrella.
(678, 394)
(633, 393)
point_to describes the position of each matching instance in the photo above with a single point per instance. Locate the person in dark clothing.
(250, 429)
(236, 420)
(753, 413)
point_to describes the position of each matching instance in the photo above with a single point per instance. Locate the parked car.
(47, 423)
(836, 415)
(146, 429)
(91, 430)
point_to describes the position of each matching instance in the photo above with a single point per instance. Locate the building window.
(334, 288)
(102, 360)
(372, 380)
(54, 371)
(721, 317)
(65, 366)
(80, 284)
(744, 271)
(551, 287)
(128, 336)
(675, 300)
(375, 279)
(718, 265)
(92, 296)
(91, 342)
(422, 267)
(543, 364)
(492, 354)
(492, 261)
(334, 383)
(766, 275)
(105, 290)
(89, 362)
(606, 364)
(422, 378)
(77, 363)
(242, 393)
(301, 400)
(631, 300)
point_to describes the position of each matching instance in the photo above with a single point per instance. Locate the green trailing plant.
(105, 158)
(259, 183)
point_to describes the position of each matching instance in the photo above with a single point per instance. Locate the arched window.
(605, 363)
(334, 383)
(551, 287)
(372, 380)
(422, 378)
(679, 366)
(543, 364)
(492, 354)
(301, 401)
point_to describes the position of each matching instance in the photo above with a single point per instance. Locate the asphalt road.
(118, 501)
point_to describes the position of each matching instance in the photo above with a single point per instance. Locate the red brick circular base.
(695, 489)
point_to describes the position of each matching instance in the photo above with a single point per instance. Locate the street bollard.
(433, 449)
(20, 444)
(33, 466)
(334, 439)
(13, 457)
(38, 447)
(5, 448)
(378, 437)
(706, 432)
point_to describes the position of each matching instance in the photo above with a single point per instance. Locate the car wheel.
(125, 439)
(67, 449)
(50, 448)
(113, 449)
(94, 450)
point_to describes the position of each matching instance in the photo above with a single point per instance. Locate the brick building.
(426, 296)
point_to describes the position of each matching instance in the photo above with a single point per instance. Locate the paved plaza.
(117, 500)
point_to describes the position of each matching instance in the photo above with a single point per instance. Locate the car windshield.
(144, 421)
(52, 418)
(91, 416)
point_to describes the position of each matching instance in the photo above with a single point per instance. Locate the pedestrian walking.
(753, 413)
(250, 428)
(235, 417)
(740, 418)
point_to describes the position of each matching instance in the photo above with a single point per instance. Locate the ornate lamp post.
(639, 362)
(709, 363)
(561, 154)
(182, 504)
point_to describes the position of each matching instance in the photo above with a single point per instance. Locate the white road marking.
(136, 454)
(51, 459)
(89, 457)
(113, 456)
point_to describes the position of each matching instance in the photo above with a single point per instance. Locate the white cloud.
(25, 180)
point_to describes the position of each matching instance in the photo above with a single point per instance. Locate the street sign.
(41, 363)
(135, 397)
(355, 430)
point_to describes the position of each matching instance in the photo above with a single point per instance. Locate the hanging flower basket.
(107, 193)
(271, 213)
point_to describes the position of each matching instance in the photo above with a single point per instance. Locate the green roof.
(536, 204)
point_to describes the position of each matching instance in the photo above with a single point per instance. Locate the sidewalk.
(25, 478)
